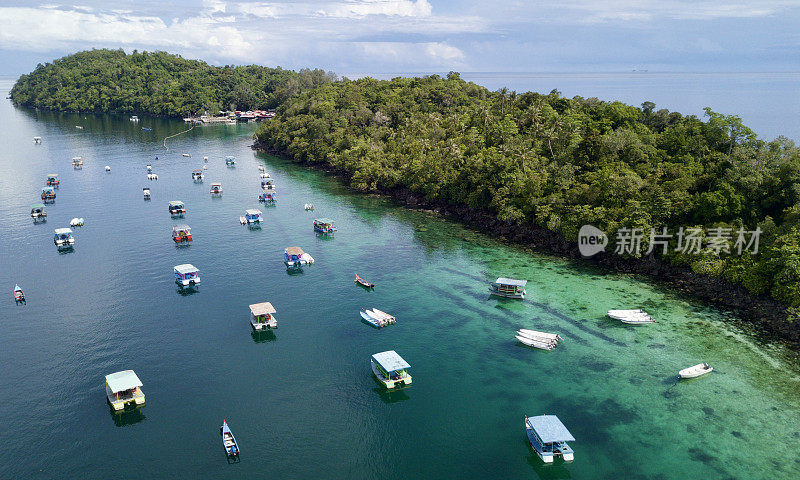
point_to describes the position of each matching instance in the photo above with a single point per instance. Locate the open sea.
(301, 400)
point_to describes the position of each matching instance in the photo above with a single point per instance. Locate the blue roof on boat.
(550, 429)
(391, 361)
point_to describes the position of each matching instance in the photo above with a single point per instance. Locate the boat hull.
(389, 383)
(372, 321)
(518, 296)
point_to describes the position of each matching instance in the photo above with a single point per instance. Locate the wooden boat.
(509, 288)
(19, 295)
(186, 155)
(370, 319)
(228, 440)
(534, 343)
(633, 317)
(363, 282)
(553, 337)
(381, 315)
(696, 370)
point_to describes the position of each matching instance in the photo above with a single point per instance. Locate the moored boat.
(63, 238)
(634, 317)
(19, 295)
(48, 195)
(553, 337)
(77, 222)
(324, 226)
(363, 282)
(696, 370)
(384, 315)
(186, 275)
(77, 162)
(228, 441)
(177, 208)
(146, 193)
(372, 318)
(253, 216)
(540, 344)
(197, 175)
(37, 140)
(262, 316)
(509, 288)
(181, 233)
(295, 257)
(230, 161)
(308, 206)
(124, 388)
(38, 213)
(390, 369)
(52, 180)
(216, 189)
(549, 437)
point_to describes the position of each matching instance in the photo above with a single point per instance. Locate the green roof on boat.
(37, 205)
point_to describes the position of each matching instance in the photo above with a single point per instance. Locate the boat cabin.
(267, 183)
(230, 161)
(508, 287)
(262, 316)
(324, 226)
(19, 295)
(197, 174)
(390, 369)
(268, 198)
(48, 195)
(37, 212)
(134, 118)
(52, 180)
(253, 216)
(293, 257)
(146, 193)
(149, 168)
(177, 208)
(549, 437)
(186, 274)
(63, 237)
(124, 388)
(77, 162)
(181, 233)
(216, 189)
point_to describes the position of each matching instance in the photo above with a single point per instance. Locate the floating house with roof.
(268, 198)
(177, 208)
(63, 238)
(216, 189)
(390, 369)
(186, 274)
(197, 175)
(324, 226)
(262, 316)
(549, 437)
(295, 257)
(253, 216)
(77, 162)
(124, 388)
(181, 233)
(38, 213)
(52, 180)
(230, 161)
(48, 195)
(508, 287)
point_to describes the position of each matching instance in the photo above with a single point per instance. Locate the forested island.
(530, 167)
(156, 83)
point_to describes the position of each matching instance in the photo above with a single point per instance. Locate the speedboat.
(543, 345)
(696, 370)
(634, 317)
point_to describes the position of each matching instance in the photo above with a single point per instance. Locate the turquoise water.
(302, 401)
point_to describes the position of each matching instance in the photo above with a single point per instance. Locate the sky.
(408, 36)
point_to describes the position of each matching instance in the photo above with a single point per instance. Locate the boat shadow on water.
(556, 470)
(187, 291)
(394, 395)
(66, 250)
(263, 336)
(129, 416)
(294, 271)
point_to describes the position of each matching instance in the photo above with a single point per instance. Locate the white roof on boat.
(261, 308)
(174, 203)
(253, 211)
(216, 184)
(511, 281)
(185, 268)
(63, 231)
(391, 361)
(181, 227)
(550, 429)
(121, 381)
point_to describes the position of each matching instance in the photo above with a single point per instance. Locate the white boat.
(78, 127)
(186, 155)
(134, 118)
(243, 220)
(262, 316)
(636, 316)
(309, 206)
(146, 193)
(534, 343)
(264, 175)
(37, 139)
(372, 320)
(205, 159)
(382, 315)
(553, 337)
(108, 169)
(124, 388)
(76, 222)
(261, 168)
(696, 370)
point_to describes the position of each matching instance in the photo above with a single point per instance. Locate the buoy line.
(179, 133)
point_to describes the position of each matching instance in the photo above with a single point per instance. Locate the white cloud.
(361, 8)
(653, 10)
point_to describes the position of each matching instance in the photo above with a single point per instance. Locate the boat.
(197, 175)
(205, 159)
(52, 180)
(228, 441)
(634, 317)
(147, 129)
(390, 369)
(308, 206)
(186, 274)
(549, 437)
(540, 344)
(152, 176)
(63, 238)
(19, 295)
(262, 316)
(243, 220)
(696, 370)
(230, 161)
(76, 222)
(123, 389)
(177, 208)
(363, 282)
(186, 155)
(37, 140)
(216, 189)
(205, 167)
(263, 175)
(268, 198)
(48, 195)
(38, 213)
(509, 288)
(77, 162)
(134, 118)
(108, 169)
(149, 168)
(373, 320)
(324, 226)
(253, 216)
(181, 233)
(381, 314)
(78, 127)
(146, 193)
(295, 257)
(262, 169)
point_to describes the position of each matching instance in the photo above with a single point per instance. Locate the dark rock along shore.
(764, 313)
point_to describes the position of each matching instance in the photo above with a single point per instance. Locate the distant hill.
(156, 83)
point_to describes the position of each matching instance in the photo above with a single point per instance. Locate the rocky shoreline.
(764, 313)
